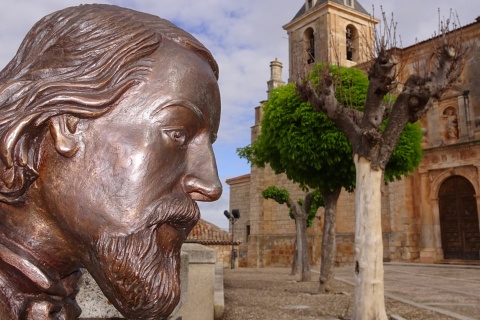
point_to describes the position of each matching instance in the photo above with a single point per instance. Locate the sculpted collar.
(52, 297)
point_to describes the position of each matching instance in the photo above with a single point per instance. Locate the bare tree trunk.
(369, 285)
(328, 240)
(294, 260)
(303, 260)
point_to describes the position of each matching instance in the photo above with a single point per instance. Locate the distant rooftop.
(207, 233)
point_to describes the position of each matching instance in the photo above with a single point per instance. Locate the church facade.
(429, 216)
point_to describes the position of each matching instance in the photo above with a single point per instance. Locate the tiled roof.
(207, 233)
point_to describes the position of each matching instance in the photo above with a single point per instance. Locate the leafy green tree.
(303, 212)
(308, 147)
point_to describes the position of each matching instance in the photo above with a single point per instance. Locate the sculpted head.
(107, 119)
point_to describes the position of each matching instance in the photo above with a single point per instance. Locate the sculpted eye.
(178, 136)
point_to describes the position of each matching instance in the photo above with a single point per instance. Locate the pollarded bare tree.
(373, 142)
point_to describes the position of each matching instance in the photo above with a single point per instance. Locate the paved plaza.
(452, 290)
(413, 292)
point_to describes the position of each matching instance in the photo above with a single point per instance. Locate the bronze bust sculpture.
(107, 119)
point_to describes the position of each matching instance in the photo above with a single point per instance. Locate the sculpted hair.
(77, 61)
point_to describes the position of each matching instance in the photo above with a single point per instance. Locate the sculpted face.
(127, 196)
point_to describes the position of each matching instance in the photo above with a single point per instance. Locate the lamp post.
(232, 217)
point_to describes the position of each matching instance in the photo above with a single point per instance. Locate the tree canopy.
(308, 147)
(282, 196)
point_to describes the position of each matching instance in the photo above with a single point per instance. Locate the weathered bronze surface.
(107, 119)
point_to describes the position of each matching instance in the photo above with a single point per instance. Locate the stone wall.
(272, 231)
(240, 186)
(224, 254)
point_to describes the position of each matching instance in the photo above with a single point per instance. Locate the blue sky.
(244, 36)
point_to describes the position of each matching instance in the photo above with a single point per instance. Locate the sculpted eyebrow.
(180, 103)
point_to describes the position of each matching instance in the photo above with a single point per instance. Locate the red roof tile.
(207, 233)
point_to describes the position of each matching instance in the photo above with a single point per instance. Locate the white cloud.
(244, 36)
(419, 19)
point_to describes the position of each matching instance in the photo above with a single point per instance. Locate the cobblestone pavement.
(413, 291)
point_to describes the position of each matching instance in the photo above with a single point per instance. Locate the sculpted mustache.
(180, 213)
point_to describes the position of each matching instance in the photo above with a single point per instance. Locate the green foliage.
(282, 195)
(316, 203)
(407, 155)
(313, 209)
(351, 84)
(246, 153)
(302, 143)
(308, 147)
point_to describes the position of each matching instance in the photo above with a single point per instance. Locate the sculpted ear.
(63, 129)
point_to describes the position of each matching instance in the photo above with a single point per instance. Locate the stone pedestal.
(201, 284)
(199, 301)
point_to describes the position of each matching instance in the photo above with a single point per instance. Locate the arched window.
(309, 45)
(351, 43)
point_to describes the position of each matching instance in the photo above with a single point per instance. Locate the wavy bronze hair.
(77, 61)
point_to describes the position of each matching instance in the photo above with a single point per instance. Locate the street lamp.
(232, 217)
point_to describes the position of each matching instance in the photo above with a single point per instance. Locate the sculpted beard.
(139, 273)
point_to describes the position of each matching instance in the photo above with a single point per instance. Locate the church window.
(351, 43)
(309, 45)
(349, 38)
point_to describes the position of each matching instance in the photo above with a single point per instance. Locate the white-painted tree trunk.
(369, 301)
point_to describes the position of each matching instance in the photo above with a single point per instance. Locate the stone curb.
(219, 295)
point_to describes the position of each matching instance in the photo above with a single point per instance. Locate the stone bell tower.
(275, 76)
(338, 32)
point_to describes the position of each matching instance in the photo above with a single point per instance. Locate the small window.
(309, 4)
(309, 45)
(349, 43)
(248, 231)
(311, 50)
(349, 3)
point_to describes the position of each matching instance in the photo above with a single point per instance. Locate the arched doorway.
(459, 219)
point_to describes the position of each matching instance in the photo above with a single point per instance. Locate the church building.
(430, 216)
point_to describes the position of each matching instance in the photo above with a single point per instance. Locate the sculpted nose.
(201, 181)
